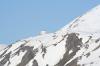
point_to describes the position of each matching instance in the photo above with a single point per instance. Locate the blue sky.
(24, 18)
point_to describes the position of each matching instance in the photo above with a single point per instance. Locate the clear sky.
(24, 18)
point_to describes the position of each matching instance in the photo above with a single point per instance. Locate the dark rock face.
(35, 63)
(73, 43)
(30, 54)
(7, 48)
(43, 50)
(73, 63)
(5, 59)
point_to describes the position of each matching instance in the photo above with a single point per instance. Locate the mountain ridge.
(77, 44)
(86, 21)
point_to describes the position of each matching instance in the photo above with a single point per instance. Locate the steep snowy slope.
(89, 22)
(77, 44)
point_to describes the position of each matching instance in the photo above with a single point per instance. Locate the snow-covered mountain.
(76, 44)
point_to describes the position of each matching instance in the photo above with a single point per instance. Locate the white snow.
(88, 23)
(17, 59)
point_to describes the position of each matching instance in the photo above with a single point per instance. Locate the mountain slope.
(88, 22)
(77, 44)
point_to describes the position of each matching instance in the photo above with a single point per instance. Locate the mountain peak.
(62, 48)
(89, 22)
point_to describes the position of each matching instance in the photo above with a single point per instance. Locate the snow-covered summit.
(77, 44)
(89, 22)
